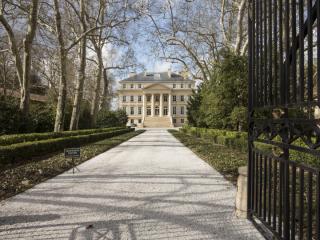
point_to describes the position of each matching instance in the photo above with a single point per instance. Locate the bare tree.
(82, 69)
(193, 33)
(23, 66)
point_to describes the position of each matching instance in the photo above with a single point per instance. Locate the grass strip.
(22, 177)
(225, 160)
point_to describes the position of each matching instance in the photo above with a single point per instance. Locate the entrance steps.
(157, 122)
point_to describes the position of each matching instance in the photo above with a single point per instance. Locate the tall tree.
(23, 66)
(82, 69)
(61, 105)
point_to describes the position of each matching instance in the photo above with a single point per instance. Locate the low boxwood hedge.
(30, 137)
(14, 153)
(239, 141)
(232, 139)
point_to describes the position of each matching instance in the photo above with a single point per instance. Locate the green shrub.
(30, 137)
(26, 150)
(108, 118)
(40, 119)
(237, 140)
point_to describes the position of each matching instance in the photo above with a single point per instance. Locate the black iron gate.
(284, 117)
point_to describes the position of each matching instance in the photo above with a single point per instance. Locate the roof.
(155, 77)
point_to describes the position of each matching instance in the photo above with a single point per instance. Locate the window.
(182, 110)
(157, 98)
(124, 86)
(181, 86)
(148, 98)
(148, 111)
(174, 85)
(165, 98)
(124, 98)
(131, 86)
(174, 120)
(189, 85)
(132, 120)
(182, 98)
(182, 120)
(139, 98)
(139, 120)
(139, 85)
(132, 110)
(140, 110)
(174, 110)
(174, 98)
(156, 111)
(165, 111)
(131, 98)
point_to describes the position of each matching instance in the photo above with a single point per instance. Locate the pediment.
(156, 86)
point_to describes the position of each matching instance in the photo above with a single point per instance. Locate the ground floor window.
(132, 120)
(182, 120)
(174, 120)
(139, 121)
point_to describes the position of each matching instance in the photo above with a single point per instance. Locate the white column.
(169, 106)
(143, 107)
(161, 104)
(152, 105)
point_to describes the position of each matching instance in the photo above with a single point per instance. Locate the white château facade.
(155, 99)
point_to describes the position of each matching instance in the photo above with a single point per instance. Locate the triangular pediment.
(156, 86)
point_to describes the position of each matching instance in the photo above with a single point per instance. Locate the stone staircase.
(157, 122)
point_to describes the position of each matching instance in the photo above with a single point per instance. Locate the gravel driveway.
(150, 187)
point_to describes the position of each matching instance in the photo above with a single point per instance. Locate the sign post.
(72, 153)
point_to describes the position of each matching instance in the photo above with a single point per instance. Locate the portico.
(156, 103)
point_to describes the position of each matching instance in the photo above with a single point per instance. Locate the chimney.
(131, 74)
(169, 72)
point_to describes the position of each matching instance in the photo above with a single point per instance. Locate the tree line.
(53, 38)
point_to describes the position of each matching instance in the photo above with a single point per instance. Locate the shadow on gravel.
(10, 220)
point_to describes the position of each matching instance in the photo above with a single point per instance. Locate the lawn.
(225, 160)
(21, 177)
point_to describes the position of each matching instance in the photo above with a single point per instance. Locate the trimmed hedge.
(23, 151)
(237, 140)
(30, 137)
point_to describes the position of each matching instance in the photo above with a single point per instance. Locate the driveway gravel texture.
(150, 187)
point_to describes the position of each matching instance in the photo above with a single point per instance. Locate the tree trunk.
(96, 94)
(62, 98)
(105, 93)
(27, 44)
(82, 71)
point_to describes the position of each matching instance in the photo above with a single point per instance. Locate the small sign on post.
(72, 153)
